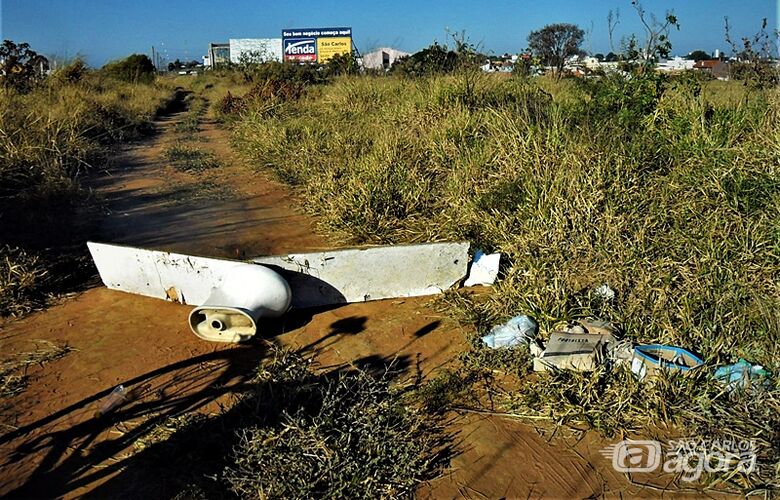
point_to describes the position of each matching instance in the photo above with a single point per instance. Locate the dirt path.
(52, 446)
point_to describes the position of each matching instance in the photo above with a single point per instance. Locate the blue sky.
(108, 29)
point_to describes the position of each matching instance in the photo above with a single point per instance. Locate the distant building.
(382, 58)
(488, 67)
(716, 68)
(219, 53)
(255, 49)
(591, 63)
(675, 64)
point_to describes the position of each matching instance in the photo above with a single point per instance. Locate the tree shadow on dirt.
(100, 457)
(68, 457)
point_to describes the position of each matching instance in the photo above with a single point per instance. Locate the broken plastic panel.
(231, 295)
(373, 273)
(484, 269)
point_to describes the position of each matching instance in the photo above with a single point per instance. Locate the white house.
(675, 64)
(382, 58)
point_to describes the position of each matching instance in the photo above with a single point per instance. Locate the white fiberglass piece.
(247, 293)
(373, 273)
(231, 295)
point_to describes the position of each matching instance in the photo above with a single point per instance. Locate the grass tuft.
(13, 371)
(188, 159)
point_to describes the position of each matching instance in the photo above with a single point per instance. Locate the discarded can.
(112, 401)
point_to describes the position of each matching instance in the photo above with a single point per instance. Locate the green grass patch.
(187, 129)
(188, 159)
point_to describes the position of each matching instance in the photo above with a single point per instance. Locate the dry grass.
(667, 191)
(13, 371)
(49, 138)
(21, 279)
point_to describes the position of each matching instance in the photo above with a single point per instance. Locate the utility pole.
(154, 59)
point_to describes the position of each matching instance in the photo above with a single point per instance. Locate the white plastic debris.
(605, 292)
(247, 293)
(536, 348)
(112, 401)
(484, 269)
(518, 330)
(233, 295)
(373, 273)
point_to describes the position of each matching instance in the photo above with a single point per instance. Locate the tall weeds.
(49, 138)
(668, 192)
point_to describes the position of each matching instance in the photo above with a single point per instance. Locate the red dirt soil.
(52, 446)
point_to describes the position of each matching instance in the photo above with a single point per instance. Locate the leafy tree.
(698, 55)
(342, 64)
(599, 57)
(611, 57)
(137, 68)
(555, 43)
(523, 65)
(20, 66)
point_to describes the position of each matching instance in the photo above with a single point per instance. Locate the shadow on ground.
(118, 455)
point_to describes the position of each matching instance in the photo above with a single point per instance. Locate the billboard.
(315, 45)
(255, 50)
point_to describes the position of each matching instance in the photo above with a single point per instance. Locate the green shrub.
(332, 436)
(434, 60)
(287, 72)
(137, 68)
(294, 433)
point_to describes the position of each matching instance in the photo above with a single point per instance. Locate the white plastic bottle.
(113, 400)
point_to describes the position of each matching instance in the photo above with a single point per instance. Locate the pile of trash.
(586, 344)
